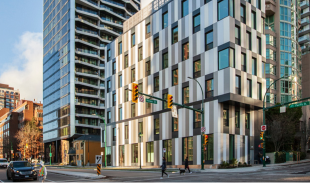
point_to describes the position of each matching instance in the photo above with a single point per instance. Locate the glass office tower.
(75, 35)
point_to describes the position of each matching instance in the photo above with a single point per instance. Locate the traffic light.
(169, 100)
(261, 136)
(206, 139)
(135, 92)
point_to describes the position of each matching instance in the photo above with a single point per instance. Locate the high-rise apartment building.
(8, 96)
(75, 35)
(282, 50)
(13, 120)
(220, 43)
(304, 31)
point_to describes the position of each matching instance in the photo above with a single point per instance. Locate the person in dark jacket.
(163, 168)
(186, 165)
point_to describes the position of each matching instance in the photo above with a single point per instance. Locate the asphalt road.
(291, 173)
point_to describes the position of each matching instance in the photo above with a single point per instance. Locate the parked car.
(21, 170)
(3, 162)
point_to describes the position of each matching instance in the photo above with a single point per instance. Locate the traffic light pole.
(264, 118)
(190, 108)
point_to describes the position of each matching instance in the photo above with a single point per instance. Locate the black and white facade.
(163, 45)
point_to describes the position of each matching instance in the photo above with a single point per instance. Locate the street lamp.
(264, 122)
(105, 139)
(202, 123)
(140, 135)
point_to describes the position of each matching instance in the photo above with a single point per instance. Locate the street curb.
(79, 176)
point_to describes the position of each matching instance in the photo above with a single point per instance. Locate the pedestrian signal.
(170, 101)
(261, 136)
(135, 92)
(206, 139)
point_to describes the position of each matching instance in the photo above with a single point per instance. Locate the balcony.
(86, 93)
(304, 29)
(81, 113)
(86, 103)
(86, 82)
(115, 3)
(304, 21)
(87, 51)
(86, 61)
(118, 31)
(304, 13)
(303, 39)
(304, 4)
(93, 22)
(270, 7)
(87, 31)
(81, 122)
(116, 12)
(87, 10)
(112, 21)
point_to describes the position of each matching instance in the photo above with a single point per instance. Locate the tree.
(29, 134)
(281, 126)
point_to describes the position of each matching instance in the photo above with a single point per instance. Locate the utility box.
(289, 156)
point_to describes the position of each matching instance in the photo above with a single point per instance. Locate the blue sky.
(21, 46)
(17, 17)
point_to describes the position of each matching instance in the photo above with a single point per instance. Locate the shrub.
(223, 164)
(280, 157)
(234, 161)
(72, 163)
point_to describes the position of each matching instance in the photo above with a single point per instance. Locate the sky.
(21, 46)
(21, 52)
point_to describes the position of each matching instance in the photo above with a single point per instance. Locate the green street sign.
(151, 101)
(50, 154)
(299, 104)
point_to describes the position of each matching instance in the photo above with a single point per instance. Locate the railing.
(87, 82)
(304, 3)
(86, 71)
(87, 92)
(87, 102)
(87, 40)
(111, 28)
(106, 37)
(87, 10)
(83, 112)
(305, 20)
(302, 38)
(87, 31)
(101, 85)
(306, 11)
(101, 65)
(92, 2)
(86, 19)
(113, 21)
(86, 51)
(111, 9)
(101, 105)
(89, 61)
(305, 29)
(116, 3)
(86, 123)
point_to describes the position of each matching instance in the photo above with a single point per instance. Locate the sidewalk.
(79, 174)
(256, 167)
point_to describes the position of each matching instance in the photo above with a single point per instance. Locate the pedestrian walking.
(186, 165)
(42, 172)
(163, 168)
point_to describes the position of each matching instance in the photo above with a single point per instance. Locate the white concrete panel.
(142, 155)
(246, 149)
(207, 117)
(237, 138)
(191, 123)
(160, 151)
(237, 57)
(186, 31)
(217, 116)
(220, 89)
(198, 155)
(176, 150)
(224, 147)
(223, 31)
(252, 123)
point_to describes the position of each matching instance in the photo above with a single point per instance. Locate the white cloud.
(26, 71)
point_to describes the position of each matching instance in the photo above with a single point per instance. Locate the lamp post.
(202, 124)
(264, 122)
(105, 137)
(140, 135)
